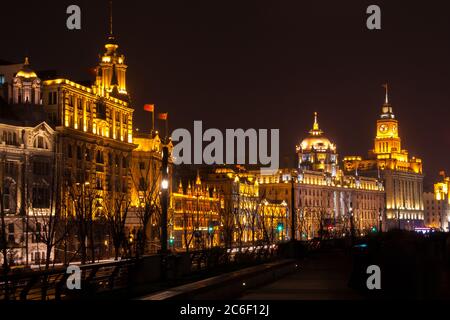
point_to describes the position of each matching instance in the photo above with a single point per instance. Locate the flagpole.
(167, 128)
(153, 121)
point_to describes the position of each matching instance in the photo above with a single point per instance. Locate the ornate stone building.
(437, 206)
(195, 216)
(326, 201)
(27, 162)
(247, 215)
(146, 185)
(402, 174)
(317, 152)
(95, 126)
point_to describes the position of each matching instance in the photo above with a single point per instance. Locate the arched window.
(40, 143)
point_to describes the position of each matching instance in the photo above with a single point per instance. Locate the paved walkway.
(322, 277)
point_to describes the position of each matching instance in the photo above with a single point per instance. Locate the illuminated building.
(247, 216)
(327, 202)
(317, 152)
(146, 183)
(437, 206)
(28, 158)
(94, 125)
(195, 217)
(402, 175)
(272, 221)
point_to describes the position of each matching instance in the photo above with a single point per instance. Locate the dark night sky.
(262, 64)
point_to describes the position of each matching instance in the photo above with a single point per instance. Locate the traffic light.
(280, 227)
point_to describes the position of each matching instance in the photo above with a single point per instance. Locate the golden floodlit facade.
(247, 217)
(146, 182)
(327, 202)
(437, 206)
(402, 174)
(195, 217)
(95, 126)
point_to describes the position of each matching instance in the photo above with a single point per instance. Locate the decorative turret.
(317, 152)
(111, 71)
(27, 87)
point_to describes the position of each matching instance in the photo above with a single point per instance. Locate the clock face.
(383, 128)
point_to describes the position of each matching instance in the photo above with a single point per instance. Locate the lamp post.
(293, 216)
(381, 220)
(352, 223)
(164, 198)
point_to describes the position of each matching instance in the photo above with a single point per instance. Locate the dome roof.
(316, 139)
(318, 143)
(26, 71)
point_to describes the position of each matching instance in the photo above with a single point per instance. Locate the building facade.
(437, 206)
(94, 125)
(325, 202)
(402, 174)
(146, 186)
(247, 216)
(28, 159)
(195, 217)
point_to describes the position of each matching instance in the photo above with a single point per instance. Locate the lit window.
(2, 79)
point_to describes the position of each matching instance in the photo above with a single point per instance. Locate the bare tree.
(149, 207)
(116, 215)
(3, 238)
(4, 244)
(84, 198)
(49, 216)
(188, 228)
(227, 224)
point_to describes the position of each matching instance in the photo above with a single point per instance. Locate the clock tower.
(387, 140)
(402, 175)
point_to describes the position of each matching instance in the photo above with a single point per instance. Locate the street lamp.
(164, 198)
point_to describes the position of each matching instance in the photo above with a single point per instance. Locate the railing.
(105, 278)
(216, 257)
(51, 285)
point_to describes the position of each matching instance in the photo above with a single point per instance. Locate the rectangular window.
(10, 168)
(69, 151)
(41, 168)
(52, 98)
(11, 235)
(101, 111)
(2, 79)
(41, 198)
(6, 199)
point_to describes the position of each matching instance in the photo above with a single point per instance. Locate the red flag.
(149, 107)
(163, 116)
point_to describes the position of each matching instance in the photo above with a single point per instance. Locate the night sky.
(261, 64)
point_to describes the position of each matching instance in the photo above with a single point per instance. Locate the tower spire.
(316, 129)
(316, 121)
(110, 18)
(386, 88)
